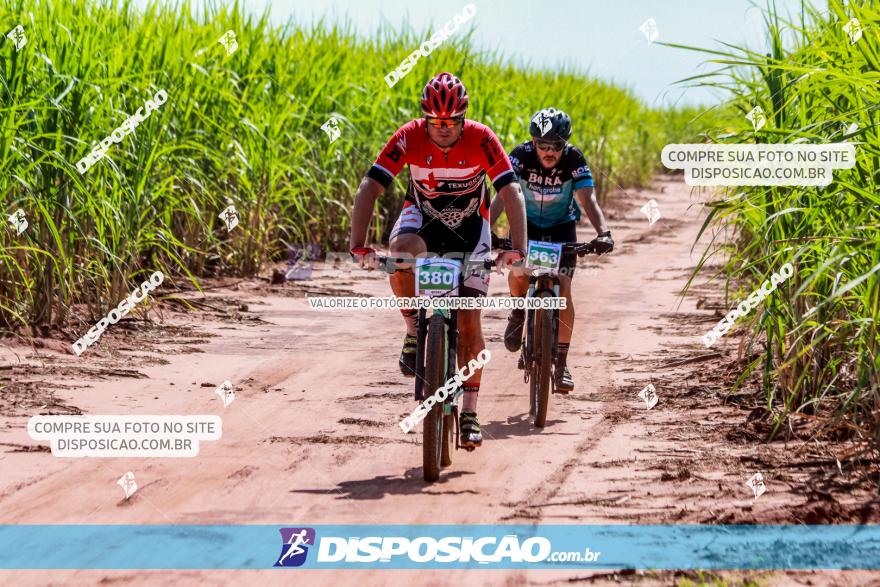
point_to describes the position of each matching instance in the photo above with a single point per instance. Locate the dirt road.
(312, 435)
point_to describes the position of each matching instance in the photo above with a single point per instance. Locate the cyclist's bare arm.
(512, 197)
(364, 200)
(495, 209)
(587, 199)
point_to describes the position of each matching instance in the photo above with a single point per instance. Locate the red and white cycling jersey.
(447, 202)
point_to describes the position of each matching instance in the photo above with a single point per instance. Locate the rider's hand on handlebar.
(366, 256)
(603, 243)
(508, 259)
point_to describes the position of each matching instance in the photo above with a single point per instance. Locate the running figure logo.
(331, 127)
(757, 118)
(128, 484)
(294, 543)
(854, 29)
(543, 121)
(17, 37)
(230, 217)
(756, 484)
(649, 396)
(225, 392)
(649, 29)
(18, 221)
(228, 40)
(652, 211)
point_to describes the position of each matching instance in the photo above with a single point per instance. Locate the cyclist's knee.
(519, 276)
(407, 244)
(406, 247)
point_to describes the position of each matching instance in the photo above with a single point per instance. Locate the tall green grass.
(816, 343)
(242, 129)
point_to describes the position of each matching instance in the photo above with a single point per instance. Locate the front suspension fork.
(539, 285)
(421, 336)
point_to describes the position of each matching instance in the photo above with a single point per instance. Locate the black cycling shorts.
(467, 240)
(559, 233)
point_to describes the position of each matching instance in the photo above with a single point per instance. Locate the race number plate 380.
(436, 277)
(543, 255)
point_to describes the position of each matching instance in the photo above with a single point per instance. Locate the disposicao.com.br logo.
(295, 543)
(465, 546)
(390, 551)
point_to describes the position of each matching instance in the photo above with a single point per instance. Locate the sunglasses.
(555, 146)
(445, 122)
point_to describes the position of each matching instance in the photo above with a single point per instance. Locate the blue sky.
(601, 37)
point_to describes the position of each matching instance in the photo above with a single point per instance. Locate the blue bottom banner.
(556, 547)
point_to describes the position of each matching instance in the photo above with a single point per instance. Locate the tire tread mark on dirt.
(531, 507)
(327, 439)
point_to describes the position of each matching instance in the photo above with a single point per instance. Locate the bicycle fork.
(421, 336)
(451, 336)
(538, 285)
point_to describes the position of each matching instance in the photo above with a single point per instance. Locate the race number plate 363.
(543, 255)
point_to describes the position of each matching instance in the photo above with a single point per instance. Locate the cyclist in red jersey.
(445, 212)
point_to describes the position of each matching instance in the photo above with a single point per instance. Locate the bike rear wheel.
(530, 364)
(434, 436)
(541, 363)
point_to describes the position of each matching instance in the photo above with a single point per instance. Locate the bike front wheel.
(542, 357)
(434, 435)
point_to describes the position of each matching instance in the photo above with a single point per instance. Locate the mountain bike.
(538, 353)
(436, 355)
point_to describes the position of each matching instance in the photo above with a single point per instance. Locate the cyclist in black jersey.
(552, 174)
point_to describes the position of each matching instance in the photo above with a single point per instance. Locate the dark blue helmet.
(550, 124)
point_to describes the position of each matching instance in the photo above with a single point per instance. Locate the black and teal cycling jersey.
(549, 193)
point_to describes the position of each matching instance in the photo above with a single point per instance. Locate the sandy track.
(312, 437)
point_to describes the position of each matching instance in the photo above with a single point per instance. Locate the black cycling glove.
(603, 243)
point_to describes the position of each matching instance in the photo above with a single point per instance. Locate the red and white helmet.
(444, 96)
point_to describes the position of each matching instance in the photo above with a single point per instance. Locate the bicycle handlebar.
(580, 249)
(385, 261)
